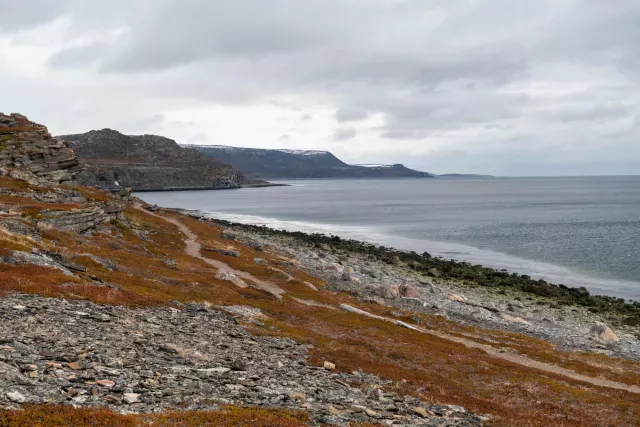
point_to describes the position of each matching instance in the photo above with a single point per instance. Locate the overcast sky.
(503, 87)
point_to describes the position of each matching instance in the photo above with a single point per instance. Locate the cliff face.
(112, 161)
(270, 164)
(32, 165)
(29, 148)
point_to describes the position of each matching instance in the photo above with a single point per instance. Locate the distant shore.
(153, 190)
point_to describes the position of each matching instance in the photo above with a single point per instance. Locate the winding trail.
(510, 357)
(193, 249)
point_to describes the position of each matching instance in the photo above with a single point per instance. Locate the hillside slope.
(112, 160)
(116, 313)
(295, 164)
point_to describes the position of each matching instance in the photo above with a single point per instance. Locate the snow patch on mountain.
(230, 149)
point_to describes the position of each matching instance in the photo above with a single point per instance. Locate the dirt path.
(514, 358)
(193, 249)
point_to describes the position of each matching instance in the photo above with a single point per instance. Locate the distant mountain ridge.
(112, 160)
(298, 164)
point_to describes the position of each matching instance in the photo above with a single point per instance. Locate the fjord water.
(580, 231)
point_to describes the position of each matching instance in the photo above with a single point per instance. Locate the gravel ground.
(195, 358)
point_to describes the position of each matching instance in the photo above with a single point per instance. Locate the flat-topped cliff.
(113, 160)
(297, 164)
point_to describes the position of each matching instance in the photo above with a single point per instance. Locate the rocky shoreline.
(567, 317)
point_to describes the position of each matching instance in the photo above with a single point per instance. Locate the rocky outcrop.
(29, 148)
(114, 161)
(82, 219)
(271, 164)
(42, 259)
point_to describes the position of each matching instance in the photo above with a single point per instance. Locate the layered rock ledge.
(29, 147)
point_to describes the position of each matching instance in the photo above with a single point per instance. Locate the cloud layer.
(498, 86)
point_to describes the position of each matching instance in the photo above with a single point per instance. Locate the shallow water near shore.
(577, 231)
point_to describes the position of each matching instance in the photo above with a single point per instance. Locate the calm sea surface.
(577, 231)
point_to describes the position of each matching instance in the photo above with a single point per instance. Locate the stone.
(226, 235)
(371, 413)
(238, 365)
(513, 319)
(517, 304)
(335, 267)
(457, 298)
(409, 291)
(225, 275)
(225, 252)
(171, 263)
(74, 365)
(421, 411)
(106, 383)
(387, 292)
(256, 246)
(395, 291)
(259, 261)
(349, 277)
(16, 397)
(329, 366)
(602, 332)
(434, 272)
(245, 311)
(131, 398)
(301, 397)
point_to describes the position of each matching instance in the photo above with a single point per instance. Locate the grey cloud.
(591, 112)
(344, 134)
(78, 56)
(25, 14)
(351, 113)
(520, 74)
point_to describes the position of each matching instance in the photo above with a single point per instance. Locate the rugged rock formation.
(270, 164)
(29, 147)
(82, 219)
(114, 161)
(29, 154)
